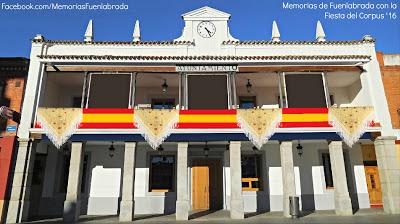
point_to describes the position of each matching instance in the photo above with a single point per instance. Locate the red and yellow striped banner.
(102, 118)
(207, 119)
(304, 117)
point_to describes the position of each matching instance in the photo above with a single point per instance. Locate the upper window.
(305, 91)
(162, 173)
(163, 104)
(109, 91)
(326, 162)
(247, 102)
(207, 92)
(251, 172)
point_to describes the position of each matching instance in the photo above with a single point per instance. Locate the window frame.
(149, 188)
(244, 98)
(132, 86)
(330, 175)
(282, 84)
(259, 171)
(164, 100)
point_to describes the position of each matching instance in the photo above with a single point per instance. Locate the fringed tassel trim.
(348, 138)
(259, 141)
(155, 141)
(58, 141)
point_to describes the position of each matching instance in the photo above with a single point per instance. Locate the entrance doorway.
(374, 186)
(207, 184)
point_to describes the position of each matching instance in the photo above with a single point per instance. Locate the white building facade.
(207, 163)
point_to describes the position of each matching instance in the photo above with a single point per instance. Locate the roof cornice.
(297, 42)
(205, 57)
(134, 43)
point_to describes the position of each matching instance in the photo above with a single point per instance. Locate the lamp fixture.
(160, 149)
(164, 86)
(111, 150)
(254, 148)
(65, 149)
(206, 150)
(248, 86)
(299, 148)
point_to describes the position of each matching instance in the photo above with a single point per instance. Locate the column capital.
(385, 138)
(23, 140)
(286, 142)
(235, 143)
(336, 143)
(183, 144)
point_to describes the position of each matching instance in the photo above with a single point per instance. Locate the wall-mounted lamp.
(206, 150)
(164, 86)
(299, 149)
(65, 149)
(254, 149)
(111, 150)
(160, 149)
(248, 86)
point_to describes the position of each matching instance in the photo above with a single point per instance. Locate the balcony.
(206, 102)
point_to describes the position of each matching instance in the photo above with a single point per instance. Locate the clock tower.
(207, 27)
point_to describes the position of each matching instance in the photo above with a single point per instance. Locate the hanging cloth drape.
(259, 124)
(155, 125)
(59, 124)
(350, 122)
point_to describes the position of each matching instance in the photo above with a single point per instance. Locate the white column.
(18, 207)
(127, 205)
(389, 173)
(235, 160)
(182, 199)
(288, 181)
(72, 200)
(342, 198)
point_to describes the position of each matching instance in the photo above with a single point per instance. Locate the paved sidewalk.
(365, 216)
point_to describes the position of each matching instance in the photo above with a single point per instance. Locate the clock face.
(206, 29)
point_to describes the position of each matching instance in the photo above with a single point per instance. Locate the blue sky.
(161, 20)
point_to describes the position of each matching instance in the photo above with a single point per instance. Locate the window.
(162, 173)
(163, 104)
(207, 92)
(2, 88)
(305, 91)
(84, 171)
(247, 102)
(251, 172)
(65, 172)
(326, 162)
(109, 91)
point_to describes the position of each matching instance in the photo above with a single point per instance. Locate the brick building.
(13, 72)
(390, 71)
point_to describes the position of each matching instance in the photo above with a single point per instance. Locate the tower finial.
(136, 32)
(320, 33)
(275, 37)
(89, 37)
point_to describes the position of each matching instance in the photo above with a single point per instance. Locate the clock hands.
(209, 32)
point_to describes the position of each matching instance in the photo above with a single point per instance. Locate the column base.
(286, 207)
(127, 209)
(182, 210)
(237, 209)
(72, 210)
(343, 206)
(391, 204)
(12, 211)
(25, 210)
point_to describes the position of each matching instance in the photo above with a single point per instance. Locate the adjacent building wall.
(13, 72)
